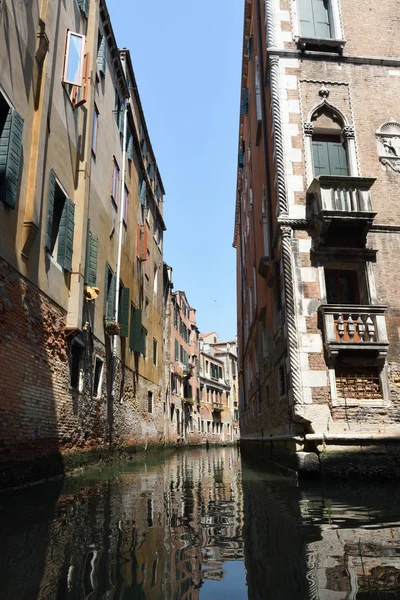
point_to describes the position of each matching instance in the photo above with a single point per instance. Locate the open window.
(319, 24)
(346, 286)
(76, 68)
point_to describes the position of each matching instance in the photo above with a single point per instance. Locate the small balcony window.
(341, 287)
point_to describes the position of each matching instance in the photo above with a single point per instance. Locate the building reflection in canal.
(182, 527)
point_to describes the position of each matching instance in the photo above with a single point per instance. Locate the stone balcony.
(353, 328)
(336, 204)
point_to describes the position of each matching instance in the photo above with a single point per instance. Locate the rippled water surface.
(207, 524)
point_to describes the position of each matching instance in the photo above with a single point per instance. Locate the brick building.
(317, 226)
(81, 240)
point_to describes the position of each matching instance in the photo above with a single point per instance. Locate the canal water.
(199, 524)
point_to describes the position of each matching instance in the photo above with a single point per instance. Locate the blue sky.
(187, 60)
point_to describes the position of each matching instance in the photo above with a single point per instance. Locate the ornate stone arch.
(339, 123)
(388, 142)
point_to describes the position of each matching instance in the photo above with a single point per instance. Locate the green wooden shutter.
(84, 7)
(307, 28)
(244, 106)
(110, 294)
(50, 212)
(102, 56)
(66, 235)
(143, 338)
(337, 159)
(150, 170)
(143, 193)
(241, 158)
(321, 18)
(10, 157)
(220, 372)
(320, 158)
(129, 146)
(136, 338)
(176, 350)
(123, 316)
(93, 250)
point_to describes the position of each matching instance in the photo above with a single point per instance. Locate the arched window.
(329, 151)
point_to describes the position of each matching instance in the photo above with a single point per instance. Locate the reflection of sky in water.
(232, 587)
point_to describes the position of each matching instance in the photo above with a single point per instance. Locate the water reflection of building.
(153, 533)
(339, 542)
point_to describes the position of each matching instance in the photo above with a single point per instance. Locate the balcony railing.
(351, 327)
(343, 194)
(341, 200)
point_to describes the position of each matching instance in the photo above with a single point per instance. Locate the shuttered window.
(155, 351)
(142, 191)
(92, 243)
(60, 224)
(129, 146)
(84, 7)
(109, 293)
(244, 106)
(176, 350)
(123, 312)
(101, 55)
(11, 129)
(329, 157)
(315, 18)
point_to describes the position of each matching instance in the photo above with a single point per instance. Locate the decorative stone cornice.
(293, 223)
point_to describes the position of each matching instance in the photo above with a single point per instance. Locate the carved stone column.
(270, 22)
(349, 136)
(291, 322)
(308, 130)
(278, 135)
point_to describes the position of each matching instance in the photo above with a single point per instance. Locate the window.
(282, 380)
(329, 156)
(206, 366)
(95, 129)
(144, 342)
(155, 279)
(115, 182)
(60, 224)
(11, 129)
(147, 271)
(154, 352)
(149, 402)
(176, 350)
(101, 55)
(84, 7)
(341, 287)
(74, 58)
(97, 376)
(77, 366)
(109, 293)
(125, 206)
(315, 19)
(176, 318)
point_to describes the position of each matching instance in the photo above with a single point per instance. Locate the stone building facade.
(81, 241)
(317, 225)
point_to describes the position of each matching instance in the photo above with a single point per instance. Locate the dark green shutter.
(66, 235)
(241, 158)
(142, 193)
(220, 372)
(244, 106)
(176, 350)
(329, 158)
(10, 157)
(93, 248)
(102, 56)
(150, 170)
(123, 316)
(50, 211)
(135, 336)
(143, 337)
(249, 46)
(109, 300)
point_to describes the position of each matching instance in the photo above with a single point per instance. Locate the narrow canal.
(208, 524)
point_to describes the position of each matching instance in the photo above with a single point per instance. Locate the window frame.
(115, 182)
(336, 41)
(95, 129)
(65, 79)
(155, 352)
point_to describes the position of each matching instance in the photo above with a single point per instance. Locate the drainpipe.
(120, 230)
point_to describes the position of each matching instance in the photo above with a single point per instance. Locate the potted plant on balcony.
(111, 327)
(188, 401)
